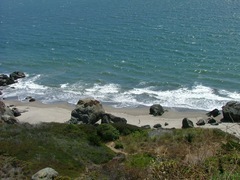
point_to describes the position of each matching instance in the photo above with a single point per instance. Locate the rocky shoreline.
(91, 111)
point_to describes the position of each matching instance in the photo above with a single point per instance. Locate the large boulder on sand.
(231, 112)
(156, 110)
(187, 123)
(87, 111)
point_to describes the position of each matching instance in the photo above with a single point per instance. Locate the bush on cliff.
(64, 147)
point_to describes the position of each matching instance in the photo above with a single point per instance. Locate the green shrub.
(107, 132)
(126, 129)
(118, 145)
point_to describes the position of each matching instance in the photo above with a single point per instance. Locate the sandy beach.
(36, 112)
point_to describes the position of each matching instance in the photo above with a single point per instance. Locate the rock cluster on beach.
(90, 111)
(6, 80)
(11, 79)
(231, 112)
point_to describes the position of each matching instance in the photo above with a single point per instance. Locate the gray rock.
(88, 111)
(157, 126)
(8, 119)
(5, 80)
(201, 122)
(109, 118)
(231, 112)
(6, 114)
(211, 121)
(45, 174)
(17, 74)
(186, 123)
(213, 113)
(156, 110)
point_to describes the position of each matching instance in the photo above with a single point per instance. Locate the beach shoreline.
(37, 112)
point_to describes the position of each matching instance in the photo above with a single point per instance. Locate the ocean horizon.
(123, 53)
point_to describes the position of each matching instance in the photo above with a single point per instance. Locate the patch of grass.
(126, 129)
(139, 160)
(65, 147)
(107, 132)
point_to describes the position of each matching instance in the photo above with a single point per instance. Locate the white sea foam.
(197, 97)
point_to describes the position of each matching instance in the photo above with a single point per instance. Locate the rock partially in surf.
(187, 123)
(156, 110)
(5, 80)
(231, 112)
(87, 111)
(30, 99)
(17, 75)
(109, 118)
(213, 113)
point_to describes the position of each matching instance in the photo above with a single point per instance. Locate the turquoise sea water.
(124, 53)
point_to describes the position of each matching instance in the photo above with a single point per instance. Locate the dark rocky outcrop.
(157, 126)
(17, 75)
(5, 80)
(211, 121)
(30, 99)
(90, 111)
(201, 122)
(156, 110)
(213, 113)
(8, 80)
(187, 123)
(109, 118)
(231, 112)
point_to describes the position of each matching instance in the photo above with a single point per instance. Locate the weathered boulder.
(213, 113)
(187, 123)
(157, 126)
(30, 99)
(87, 111)
(211, 121)
(16, 112)
(6, 114)
(231, 112)
(17, 75)
(8, 119)
(156, 110)
(45, 174)
(201, 122)
(109, 118)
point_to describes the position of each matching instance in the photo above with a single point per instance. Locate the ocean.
(124, 53)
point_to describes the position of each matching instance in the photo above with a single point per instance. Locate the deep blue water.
(124, 53)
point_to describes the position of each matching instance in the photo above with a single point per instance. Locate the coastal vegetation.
(117, 151)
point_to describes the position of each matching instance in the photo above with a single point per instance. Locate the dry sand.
(36, 112)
